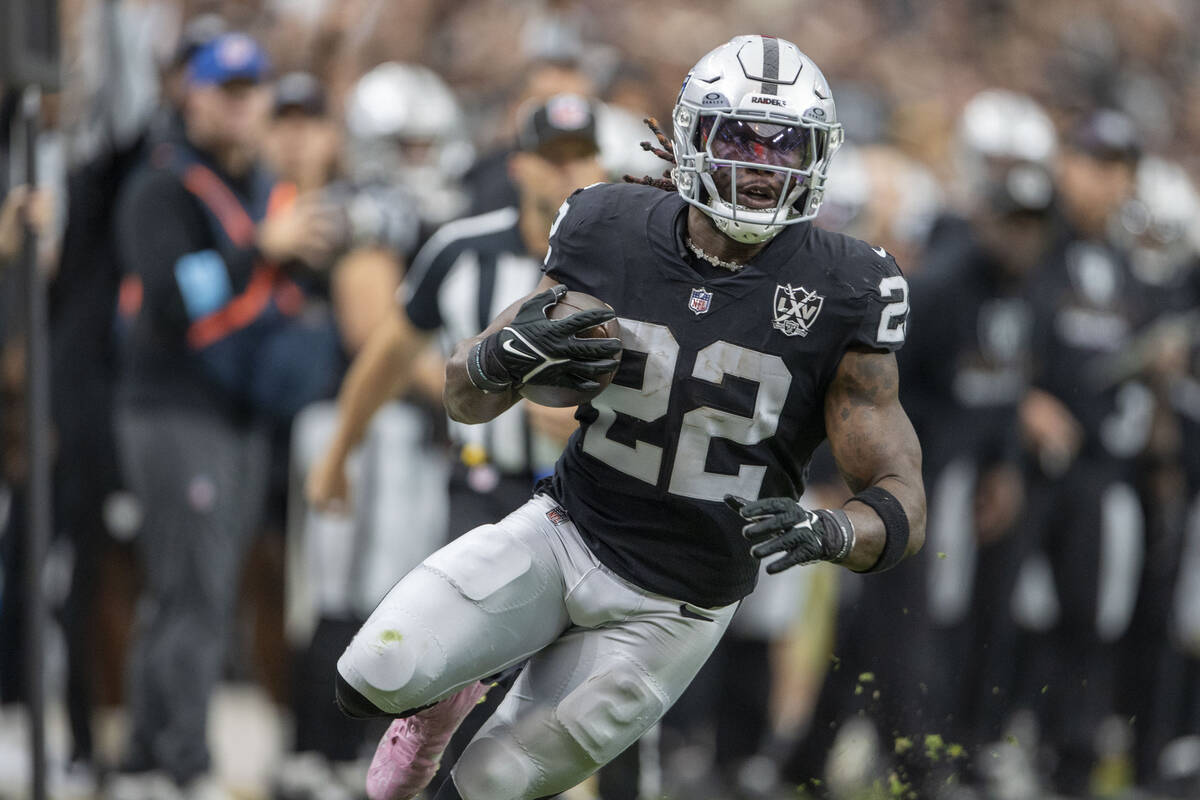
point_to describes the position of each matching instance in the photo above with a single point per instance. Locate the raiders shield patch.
(796, 309)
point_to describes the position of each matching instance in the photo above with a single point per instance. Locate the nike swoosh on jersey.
(510, 347)
(879, 251)
(687, 612)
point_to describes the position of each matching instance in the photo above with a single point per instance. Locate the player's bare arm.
(485, 373)
(380, 371)
(879, 457)
(874, 445)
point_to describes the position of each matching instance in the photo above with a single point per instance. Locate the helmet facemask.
(752, 172)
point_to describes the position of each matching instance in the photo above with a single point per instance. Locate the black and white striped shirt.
(464, 276)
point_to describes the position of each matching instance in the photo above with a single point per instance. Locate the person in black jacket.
(203, 289)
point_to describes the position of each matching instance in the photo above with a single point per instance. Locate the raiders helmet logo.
(796, 309)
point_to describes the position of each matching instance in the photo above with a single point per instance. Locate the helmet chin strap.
(740, 231)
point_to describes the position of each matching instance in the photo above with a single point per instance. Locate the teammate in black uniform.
(1083, 510)
(968, 370)
(747, 336)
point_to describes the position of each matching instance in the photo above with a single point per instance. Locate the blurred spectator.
(488, 181)
(405, 128)
(965, 372)
(83, 341)
(83, 373)
(1085, 431)
(174, 73)
(203, 275)
(22, 207)
(306, 147)
(1157, 226)
(303, 141)
(341, 565)
(879, 194)
(21, 210)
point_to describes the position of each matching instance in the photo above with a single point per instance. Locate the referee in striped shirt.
(465, 275)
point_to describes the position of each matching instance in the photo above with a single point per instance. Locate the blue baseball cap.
(227, 58)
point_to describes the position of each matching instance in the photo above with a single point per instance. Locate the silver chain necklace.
(716, 262)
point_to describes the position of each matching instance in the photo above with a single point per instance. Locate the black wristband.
(895, 526)
(477, 376)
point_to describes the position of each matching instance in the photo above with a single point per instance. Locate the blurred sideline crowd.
(229, 199)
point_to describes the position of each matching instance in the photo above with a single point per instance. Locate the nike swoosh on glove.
(536, 349)
(781, 525)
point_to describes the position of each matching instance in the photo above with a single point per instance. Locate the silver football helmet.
(1005, 135)
(405, 126)
(754, 130)
(1158, 226)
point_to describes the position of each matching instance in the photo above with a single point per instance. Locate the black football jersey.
(721, 386)
(1087, 310)
(965, 370)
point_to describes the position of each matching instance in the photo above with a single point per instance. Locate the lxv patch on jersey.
(796, 309)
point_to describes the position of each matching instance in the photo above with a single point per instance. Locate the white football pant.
(606, 658)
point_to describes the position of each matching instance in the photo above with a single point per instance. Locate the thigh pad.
(609, 711)
(492, 568)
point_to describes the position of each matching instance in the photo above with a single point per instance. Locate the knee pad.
(491, 769)
(609, 711)
(491, 568)
(394, 661)
(393, 657)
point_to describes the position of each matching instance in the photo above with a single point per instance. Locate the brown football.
(559, 397)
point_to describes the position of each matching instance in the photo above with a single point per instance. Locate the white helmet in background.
(1159, 224)
(1004, 135)
(997, 123)
(405, 126)
(849, 191)
(755, 115)
(620, 133)
(878, 192)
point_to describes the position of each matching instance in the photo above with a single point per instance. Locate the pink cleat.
(408, 755)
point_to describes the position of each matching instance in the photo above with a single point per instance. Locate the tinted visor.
(767, 143)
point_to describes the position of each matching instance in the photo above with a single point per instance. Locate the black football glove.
(781, 525)
(535, 349)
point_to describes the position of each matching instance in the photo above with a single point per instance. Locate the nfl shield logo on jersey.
(700, 301)
(796, 309)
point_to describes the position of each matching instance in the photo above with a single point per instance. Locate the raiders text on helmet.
(754, 130)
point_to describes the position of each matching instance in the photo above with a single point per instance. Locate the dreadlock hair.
(666, 153)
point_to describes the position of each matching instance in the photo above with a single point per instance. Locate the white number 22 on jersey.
(643, 460)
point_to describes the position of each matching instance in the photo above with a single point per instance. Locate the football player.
(1085, 517)
(970, 367)
(746, 337)
(404, 130)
